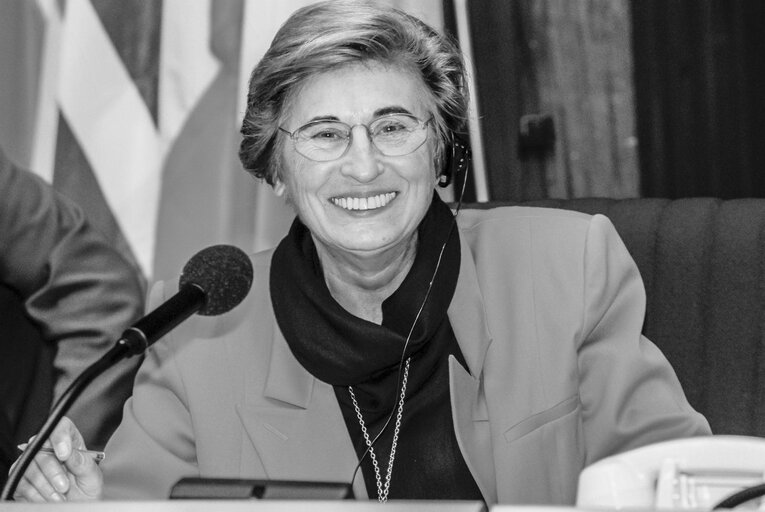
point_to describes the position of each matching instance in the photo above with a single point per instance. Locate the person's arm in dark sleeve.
(75, 287)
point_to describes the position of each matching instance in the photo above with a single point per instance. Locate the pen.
(97, 456)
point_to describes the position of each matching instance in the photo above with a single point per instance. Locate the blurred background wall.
(621, 98)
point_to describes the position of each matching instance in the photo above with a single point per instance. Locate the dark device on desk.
(232, 488)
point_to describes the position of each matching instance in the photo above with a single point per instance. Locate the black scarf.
(342, 349)
(339, 348)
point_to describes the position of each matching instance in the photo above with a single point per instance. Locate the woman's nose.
(361, 161)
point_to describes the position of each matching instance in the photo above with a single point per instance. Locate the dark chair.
(703, 264)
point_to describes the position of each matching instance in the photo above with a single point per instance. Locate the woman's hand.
(66, 475)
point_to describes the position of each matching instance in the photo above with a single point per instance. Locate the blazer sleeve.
(629, 393)
(74, 286)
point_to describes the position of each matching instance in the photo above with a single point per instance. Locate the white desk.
(248, 506)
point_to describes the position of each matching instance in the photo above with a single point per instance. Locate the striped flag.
(132, 109)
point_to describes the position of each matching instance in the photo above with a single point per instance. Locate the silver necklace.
(382, 491)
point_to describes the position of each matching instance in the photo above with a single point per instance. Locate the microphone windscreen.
(224, 273)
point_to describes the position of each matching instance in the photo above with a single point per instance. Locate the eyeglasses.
(392, 135)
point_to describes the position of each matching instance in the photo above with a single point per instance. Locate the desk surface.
(248, 506)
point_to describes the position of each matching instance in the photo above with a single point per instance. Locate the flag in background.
(131, 108)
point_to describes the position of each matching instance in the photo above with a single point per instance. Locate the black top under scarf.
(342, 349)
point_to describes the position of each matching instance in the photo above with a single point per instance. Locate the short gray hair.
(335, 33)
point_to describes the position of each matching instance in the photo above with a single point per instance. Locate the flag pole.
(476, 139)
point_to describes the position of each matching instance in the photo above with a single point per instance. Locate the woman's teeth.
(363, 203)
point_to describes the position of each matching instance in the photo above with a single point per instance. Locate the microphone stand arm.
(135, 340)
(117, 353)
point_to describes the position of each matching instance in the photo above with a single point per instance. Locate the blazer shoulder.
(468, 217)
(512, 221)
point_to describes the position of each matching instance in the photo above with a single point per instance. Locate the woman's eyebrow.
(395, 109)
(323, 117)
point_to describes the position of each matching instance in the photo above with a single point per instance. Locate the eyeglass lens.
(393, 135)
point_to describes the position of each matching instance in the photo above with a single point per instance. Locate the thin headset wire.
(416, 318)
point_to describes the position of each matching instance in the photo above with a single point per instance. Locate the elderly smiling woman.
(498, 351)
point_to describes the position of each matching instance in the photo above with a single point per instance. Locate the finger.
(70, 472)
(67, 425)
(85, 474)
(34, 471)
(54, 472)
(46, 465)
(65, 438)
(25, 492)
(36, 485)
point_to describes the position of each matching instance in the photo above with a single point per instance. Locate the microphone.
(213, 282)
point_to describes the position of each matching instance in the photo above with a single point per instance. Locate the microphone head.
(224, 273)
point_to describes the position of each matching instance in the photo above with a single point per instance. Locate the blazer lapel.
(468, 401)
(298, 429)
(467, 314)
(471, 427)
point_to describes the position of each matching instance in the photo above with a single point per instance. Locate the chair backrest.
(703, 264)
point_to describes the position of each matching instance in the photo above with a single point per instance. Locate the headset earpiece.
(457, 160)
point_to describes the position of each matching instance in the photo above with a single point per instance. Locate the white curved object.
(690, 474)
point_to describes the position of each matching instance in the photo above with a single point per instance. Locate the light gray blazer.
(548, 312)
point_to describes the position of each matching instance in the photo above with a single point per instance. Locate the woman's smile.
(364, 203)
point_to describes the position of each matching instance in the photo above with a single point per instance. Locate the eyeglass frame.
(421, 125)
